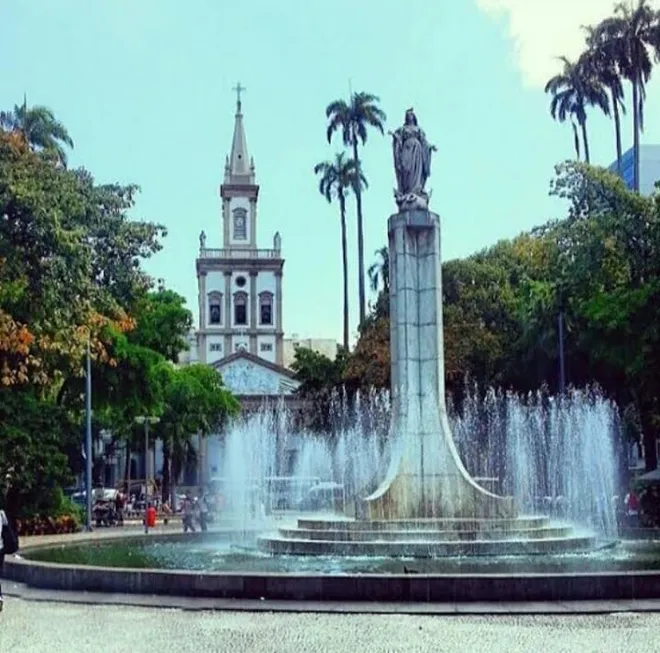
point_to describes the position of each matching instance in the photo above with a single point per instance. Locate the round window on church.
(240, 281)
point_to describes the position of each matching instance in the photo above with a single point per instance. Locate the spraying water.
(556, 457)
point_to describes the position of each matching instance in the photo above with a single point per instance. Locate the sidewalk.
(129, 528)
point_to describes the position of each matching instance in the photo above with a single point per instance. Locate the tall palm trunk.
(635, 90)
(127, 466)
(617, 129)
(358, 201)
(576, 141)
(585, 141)
(344, 262)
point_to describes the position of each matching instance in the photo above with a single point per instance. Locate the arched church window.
(215, 308)
(240, 308)
(266, 308)
(240, 223)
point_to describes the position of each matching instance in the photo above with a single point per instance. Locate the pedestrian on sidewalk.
(8, 545)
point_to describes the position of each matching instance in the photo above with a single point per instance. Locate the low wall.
(317, 587)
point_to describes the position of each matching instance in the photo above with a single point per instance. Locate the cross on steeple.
(238, 88)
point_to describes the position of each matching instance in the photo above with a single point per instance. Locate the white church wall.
(214, 348)
(266, 348)
(243, 274)
(238, 343)
(266, 282)
(215, 281)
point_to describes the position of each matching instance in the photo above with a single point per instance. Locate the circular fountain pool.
(210, 554)
(223, 565)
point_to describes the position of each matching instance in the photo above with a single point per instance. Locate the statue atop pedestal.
(412, 164)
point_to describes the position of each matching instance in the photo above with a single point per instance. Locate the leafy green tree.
(319, 378)
(163, 322)
(379, 271)
(39, 128)
(195, 402)
(353, 119)
(34, 437)
(337, 179)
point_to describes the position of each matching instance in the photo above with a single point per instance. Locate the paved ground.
(36, 627)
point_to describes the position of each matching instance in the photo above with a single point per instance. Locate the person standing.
(8, 545)
(119, 508)
(188, 513)
(203, 511)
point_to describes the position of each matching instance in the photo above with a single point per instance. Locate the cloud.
(542, 30)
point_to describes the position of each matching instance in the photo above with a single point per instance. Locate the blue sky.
(144, 88)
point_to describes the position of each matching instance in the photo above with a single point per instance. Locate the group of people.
(196, 510)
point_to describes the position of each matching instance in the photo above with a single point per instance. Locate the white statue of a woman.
(412, 164)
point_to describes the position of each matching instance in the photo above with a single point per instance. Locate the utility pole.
(88, 436)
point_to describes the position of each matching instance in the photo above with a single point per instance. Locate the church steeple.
(239, 168)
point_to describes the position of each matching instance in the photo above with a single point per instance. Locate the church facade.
(240, 330)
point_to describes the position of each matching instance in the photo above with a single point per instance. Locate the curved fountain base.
(426, 538)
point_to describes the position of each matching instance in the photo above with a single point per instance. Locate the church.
(240, 297)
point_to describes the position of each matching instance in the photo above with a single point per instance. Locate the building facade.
(325, 346)
(649, 168)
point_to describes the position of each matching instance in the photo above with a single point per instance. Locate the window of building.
(266, 346)
(240, 346)
(240, 282)
(240, 223)
(215, 308)
(266, 308)
(240, 308)
(216, 346)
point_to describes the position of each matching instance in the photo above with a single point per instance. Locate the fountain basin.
(426, 538)
(207, 565)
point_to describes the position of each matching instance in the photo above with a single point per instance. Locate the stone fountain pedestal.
(426, 477)
(428, 505)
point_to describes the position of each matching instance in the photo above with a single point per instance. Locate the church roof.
(284, 371)
(248, 375)
(239, 168)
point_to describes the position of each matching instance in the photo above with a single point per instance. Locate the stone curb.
(566, 608)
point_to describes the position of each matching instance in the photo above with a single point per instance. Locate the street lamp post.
(88, 437)
(146, 420)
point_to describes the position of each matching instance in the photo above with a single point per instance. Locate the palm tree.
(575, 88)
(353, 119)
(379, 271)
(604, 67)
(338, 178)
(627, 38)
(39, 128)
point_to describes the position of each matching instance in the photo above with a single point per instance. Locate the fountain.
(428, 505)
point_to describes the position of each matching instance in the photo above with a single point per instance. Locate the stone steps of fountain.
(279, 545)
(398, 525)
(427, 535)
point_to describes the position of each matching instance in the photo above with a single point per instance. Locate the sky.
(145, 90)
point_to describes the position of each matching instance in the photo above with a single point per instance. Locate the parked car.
(325, 496)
